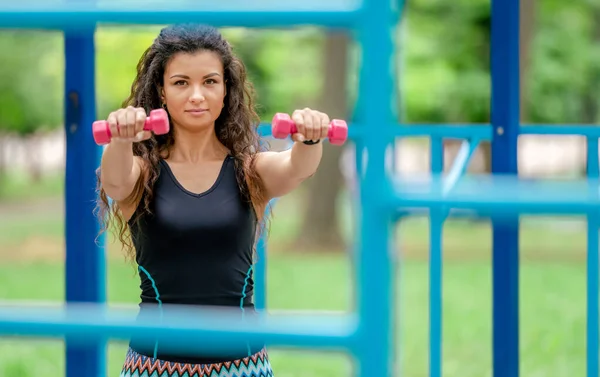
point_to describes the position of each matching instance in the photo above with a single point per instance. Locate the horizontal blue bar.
(456, 213)
(458, 131)
(463, 131)
(200, 329)
(450, 131)
(263, 14)
(461, 163)
(561, 129)
(501, 195)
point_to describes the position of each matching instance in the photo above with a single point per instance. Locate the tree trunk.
(320, 227)
(34, 166)
(3, 157)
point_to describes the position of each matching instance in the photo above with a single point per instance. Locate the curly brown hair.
(236, 127)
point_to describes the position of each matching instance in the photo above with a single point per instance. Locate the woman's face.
(194, 90)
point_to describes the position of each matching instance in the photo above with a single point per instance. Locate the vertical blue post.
(505, 123)
(593, 220)
(436, 228)
(376, 254)
(260, 267)
(85, 269)
(260, 271)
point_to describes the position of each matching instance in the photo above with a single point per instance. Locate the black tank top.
(195, 249)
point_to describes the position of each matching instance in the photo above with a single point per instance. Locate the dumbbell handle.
(158, 122)
(283, 126)
(294, 129)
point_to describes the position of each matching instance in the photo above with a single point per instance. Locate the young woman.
(193, 200)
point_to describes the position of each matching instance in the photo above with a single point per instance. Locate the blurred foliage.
(30, 81)
(269, 57)
(446, 74)
(444, 48)
(32, 71)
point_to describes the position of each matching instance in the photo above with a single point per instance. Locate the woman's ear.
(161, 93)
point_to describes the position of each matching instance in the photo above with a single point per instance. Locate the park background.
(443, 65)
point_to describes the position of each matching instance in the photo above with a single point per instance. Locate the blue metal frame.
(368, 333)
(593, 261)
(375, 259)
(85, 263)
(505, 125)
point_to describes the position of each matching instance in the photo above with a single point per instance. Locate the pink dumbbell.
(157, 122)
(283, 126)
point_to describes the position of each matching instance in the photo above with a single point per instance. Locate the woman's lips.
(196, 111)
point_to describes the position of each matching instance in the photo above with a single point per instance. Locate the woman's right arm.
(120, 170)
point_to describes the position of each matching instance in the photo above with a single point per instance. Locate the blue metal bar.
(562, 129)
(229, 6)
(500, 208)
(446, 131)
(436, 151)
(376, 261)
(505, 119)
(458, 169)
(260, 267)
(65, 16)
(457, 131)
(593, 160)
(436, 228)
(507, 194)
(197, 328)
(465, 131)
(592, 297)
(85, 260)
(460, 165)
(260, 274)
(592, 338)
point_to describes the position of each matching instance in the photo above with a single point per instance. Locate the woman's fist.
(310, 124)
(127, 125)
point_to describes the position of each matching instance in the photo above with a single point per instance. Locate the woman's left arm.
(282, 172)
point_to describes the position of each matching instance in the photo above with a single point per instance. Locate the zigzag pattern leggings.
(137, 365)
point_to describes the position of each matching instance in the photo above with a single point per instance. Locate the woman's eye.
(211, 81)
(180, 82)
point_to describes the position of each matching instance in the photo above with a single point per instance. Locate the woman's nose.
(197, 95)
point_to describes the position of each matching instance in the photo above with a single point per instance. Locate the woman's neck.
(197, 147)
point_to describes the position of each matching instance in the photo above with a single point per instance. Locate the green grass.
(552, 293)
(552, 327)
(19, 187)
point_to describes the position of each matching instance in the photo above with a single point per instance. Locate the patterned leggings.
(137, 365)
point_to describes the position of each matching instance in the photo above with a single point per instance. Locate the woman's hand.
(311, 125)
(127, 125)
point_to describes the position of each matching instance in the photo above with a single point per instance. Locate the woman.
(193, 199)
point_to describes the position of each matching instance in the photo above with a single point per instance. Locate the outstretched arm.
(120, 170)
(282, 172)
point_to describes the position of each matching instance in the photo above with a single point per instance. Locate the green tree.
(30, 90)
